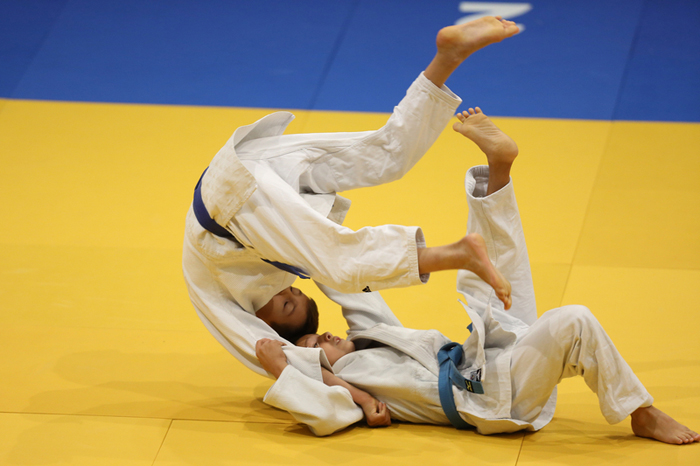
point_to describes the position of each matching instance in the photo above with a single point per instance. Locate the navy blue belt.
(209, 224)
(449, 357)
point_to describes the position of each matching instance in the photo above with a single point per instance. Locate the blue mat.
(594, 59)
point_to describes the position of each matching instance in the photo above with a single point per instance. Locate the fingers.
(381, 418)
(377, 414)
(258, 346)
(384, 414)
(264, 343)
(381, 407)
(268, 341)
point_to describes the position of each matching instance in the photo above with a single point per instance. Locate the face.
(289, 307)
(334, 347)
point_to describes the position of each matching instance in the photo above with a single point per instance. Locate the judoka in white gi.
(267, 200)
(385, 371)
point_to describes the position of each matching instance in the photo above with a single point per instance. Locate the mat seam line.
(608, 138)
(334, 53)
(48, 33)
(605, 150)
(522, 443)
(162, 443)
(117, 416)
(630, 55)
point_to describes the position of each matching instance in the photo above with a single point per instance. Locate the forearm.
(277, 369)
(376, 413)
(360, 397)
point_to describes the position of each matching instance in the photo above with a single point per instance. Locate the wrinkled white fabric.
(574, 338)
(276, 194)
(520, 364)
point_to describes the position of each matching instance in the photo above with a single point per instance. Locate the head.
(334, 347)
(290, 313)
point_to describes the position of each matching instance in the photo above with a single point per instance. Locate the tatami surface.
(105, 362)
(103, 358)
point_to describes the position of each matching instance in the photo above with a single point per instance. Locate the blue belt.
(202, 214)
(209, 224)
(449, 357)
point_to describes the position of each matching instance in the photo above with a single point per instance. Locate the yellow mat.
(105, 361)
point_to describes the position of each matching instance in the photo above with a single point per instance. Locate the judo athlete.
(503, 378)
(266, 211)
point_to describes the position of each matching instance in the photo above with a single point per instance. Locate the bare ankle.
(499, 177)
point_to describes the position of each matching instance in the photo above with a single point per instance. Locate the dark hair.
(289, 333)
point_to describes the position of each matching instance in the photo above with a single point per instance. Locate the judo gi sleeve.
(362, 310)
(323, 409)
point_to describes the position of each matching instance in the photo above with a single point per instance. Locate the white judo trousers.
(573, 343)
(564, 342)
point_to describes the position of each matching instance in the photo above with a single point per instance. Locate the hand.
(376, 413)
(271, 357)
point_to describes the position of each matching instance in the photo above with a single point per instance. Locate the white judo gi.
(276, 194)
(520, 358)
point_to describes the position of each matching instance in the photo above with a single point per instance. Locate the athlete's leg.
(493, 214)
(361, 163)
(346, 161)
(570, 341)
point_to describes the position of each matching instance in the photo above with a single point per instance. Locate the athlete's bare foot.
(653, 423)
(456, 43)
(497, 145)
(460, 41)
(469, 253)
(499, 148)
(476, 260)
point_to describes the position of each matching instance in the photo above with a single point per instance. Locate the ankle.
(642, 414)
(497, 180)
(500, 169)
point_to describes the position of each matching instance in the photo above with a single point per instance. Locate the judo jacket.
(276, 194)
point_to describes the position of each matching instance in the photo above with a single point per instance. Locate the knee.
(576, 311)
(575, 318)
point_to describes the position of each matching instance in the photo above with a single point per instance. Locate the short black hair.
(289, 333)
